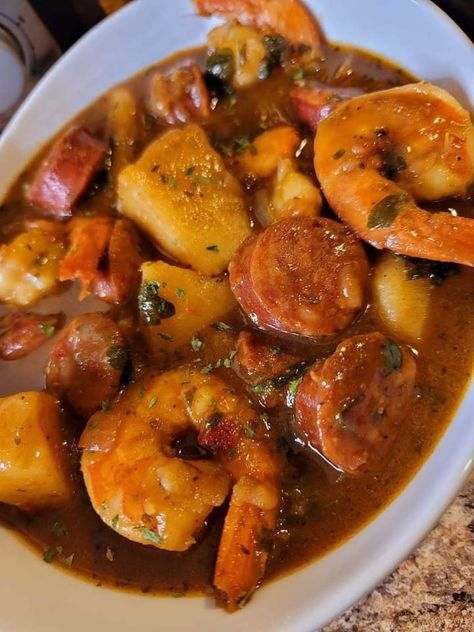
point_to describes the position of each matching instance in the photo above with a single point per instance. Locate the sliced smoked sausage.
(350, 406)
(66, 172)
(86, 363)
(302, 276)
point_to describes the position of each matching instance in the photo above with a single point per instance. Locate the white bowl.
(37, 597)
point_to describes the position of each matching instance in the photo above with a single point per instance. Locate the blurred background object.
(34, 33)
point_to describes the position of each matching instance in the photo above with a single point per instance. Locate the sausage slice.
(302, 275)
(86, 363)
(66, 172)
(351, 406)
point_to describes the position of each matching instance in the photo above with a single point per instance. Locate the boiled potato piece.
(292, 193)
(32, 465)
(402, 304)
(29, 266)
(181, 194)
(198, 301)
(261, 159)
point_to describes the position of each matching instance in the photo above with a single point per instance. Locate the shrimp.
(141, 487)
(378, 153)
(288, 18)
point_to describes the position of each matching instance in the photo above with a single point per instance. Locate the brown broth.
(322, 507)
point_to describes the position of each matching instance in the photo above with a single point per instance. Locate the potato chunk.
(29, 267)
(292, 193)
(32, 465)
(402, 303)
(198, 301)
(182, 195)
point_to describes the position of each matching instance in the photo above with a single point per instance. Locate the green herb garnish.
(59, 529)
(220, 65)
(213, 420)
(150, 535)
(152, 307)
(339, 154)
(213, 248)
(49, 555)
(222, 326)
(47, 329)
(294, 385)
(392, 355)
(196, 344)
(249, 432)
(152, 401)
(384, 212)
(117, 357)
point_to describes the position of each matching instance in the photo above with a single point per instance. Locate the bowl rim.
(456, 471)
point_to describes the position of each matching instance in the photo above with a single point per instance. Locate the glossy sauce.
(322, 507)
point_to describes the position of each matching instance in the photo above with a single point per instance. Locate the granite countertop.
(433, 590)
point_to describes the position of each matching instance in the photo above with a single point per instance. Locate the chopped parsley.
(213, 420)
(249, 432)
(339, 154)
(152, 306)
(220, 326)
(166, 337)
(59, 529)
(115, 520)
(152, 401)
(220, 65)
(47, 329)
(213, 248)
(49, 555)
(196, 344)
(384, 213)
(241, 144)
(180, 292)
(105, 405)
(299, 75)
(150, 535)
(294, 385)
(392, 355)
(118, 357)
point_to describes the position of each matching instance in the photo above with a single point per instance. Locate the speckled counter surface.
(433, 590)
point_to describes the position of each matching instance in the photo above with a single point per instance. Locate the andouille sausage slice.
(302, 275)
(86, 363)
(259, 358)
(66, 172)
(21, 333)
(239, 276)
(350, 406)
(121, 276)
(314, 104)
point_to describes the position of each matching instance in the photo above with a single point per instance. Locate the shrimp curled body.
(141, 487)
(378, 153)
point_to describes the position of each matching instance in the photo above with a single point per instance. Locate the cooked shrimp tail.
(288, 18)
(379, 153)
(243, 550)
